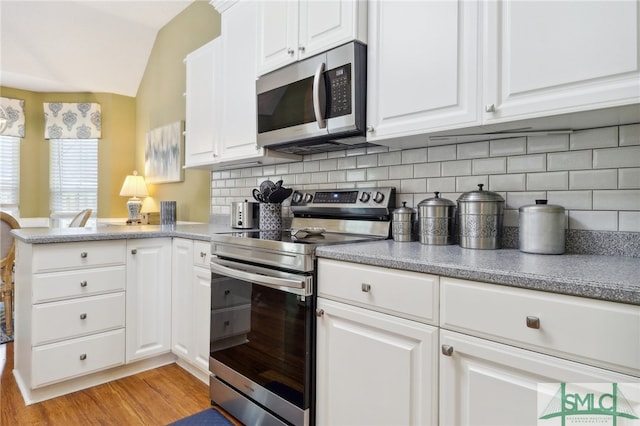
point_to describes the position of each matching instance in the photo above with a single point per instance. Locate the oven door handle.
(265, 280)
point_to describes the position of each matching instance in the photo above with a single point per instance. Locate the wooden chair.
(80, 219)
(7, 258)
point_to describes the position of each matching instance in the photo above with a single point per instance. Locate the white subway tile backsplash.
(337, 154)
(571, 200)
(593, 179)
(316, 156)
(413, 185)
(369, 160)
(303, 179)
(456, 168)
(378, 173)
(347, 163)
(630, 135)
(426, 170)
(337, 176)
(328, 165)
(515, 182)
(629, 178)
(629, 222)
(550, 143)
(446, 184)
(268, 170)
(356, 175)
(319, 177)
(527, 163)
(470, 183)
(574, 160)
(473, 150)
(504, 147)
(282, 169)
(510, 217)
(376, 149)
(441, 153)
(515, 200)
(547, 181)
(489, 166)
(616, 157)
(594, 138)
(311, 166)
(356, 152)
(390, 158)
(622, 199)
(296, 167)
(401, 172)
(593, 220)
(412, 156)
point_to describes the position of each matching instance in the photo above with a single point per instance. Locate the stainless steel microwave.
(315, 105)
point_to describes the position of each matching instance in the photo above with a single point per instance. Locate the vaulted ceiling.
(81, 45)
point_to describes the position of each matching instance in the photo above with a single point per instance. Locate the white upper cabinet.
(545, 58)
(293, 30)
(422, 67)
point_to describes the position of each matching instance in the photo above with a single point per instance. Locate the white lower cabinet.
(148, 298)
(191, 302)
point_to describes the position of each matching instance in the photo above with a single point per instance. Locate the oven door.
(261, 337)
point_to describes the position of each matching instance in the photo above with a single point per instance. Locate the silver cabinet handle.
(447, 350)
(533, 322)
(318, 92)
(370, 129)
(301, 49)
(83, 283)
(290, 52)
(366, 287)
(83, 357)
(320, 313)
(84, 254)
(134, 251)
(83, 316)
(203, 254)
(490, 108)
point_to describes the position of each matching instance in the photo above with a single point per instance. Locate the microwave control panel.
(339, 85)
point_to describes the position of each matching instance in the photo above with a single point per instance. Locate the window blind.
(10, 174)
(73, 177)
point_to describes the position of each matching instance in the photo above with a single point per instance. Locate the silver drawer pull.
(447, 350)
(203, 254)
(83, 357)
(366, 287)
(533, 322)
(84, 254)
(320, 313)
(134, 251)
(83, 316)
(83, 283)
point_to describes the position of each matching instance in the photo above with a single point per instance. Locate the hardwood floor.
(155, 397)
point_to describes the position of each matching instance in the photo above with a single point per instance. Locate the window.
(73, 178)
(10, 175)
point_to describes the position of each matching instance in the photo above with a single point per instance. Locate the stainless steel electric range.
(263, 303)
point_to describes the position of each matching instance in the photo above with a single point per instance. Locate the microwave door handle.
(318, 91)
(257, 278)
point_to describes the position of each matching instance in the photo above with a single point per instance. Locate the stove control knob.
(296, 198)
(308, 197)
(365, 197)
(378, 197)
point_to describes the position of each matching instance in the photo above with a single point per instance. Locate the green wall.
(125, 122)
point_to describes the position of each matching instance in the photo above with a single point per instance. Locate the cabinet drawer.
(84, 282)
(405, 294)
(59, 256)
(201, 253)
(72, 358)
(595, 332)
(77, 317)
(230, 322)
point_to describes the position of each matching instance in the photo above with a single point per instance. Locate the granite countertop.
(613, 278)
(194, 231)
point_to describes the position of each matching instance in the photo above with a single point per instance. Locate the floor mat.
(209, 417)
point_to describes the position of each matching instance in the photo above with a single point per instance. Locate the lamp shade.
(134, 186)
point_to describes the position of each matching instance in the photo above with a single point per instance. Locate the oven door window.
(263, 334)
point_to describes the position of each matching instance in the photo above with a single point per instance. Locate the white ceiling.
(81, 45)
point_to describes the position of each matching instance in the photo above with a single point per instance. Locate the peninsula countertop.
(613, 278)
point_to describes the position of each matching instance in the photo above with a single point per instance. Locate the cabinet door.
(148, 297)
(324, 25)
(182, 297)
(487, 383)
(422, 67)
(277, 34)
(202, 124)
(373, 368)
(542, 60)
(201, 317)
(239, 70)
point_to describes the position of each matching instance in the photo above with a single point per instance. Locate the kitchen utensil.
(479, 218)
(279, 195)
(244, 214)
(257, 195)
(266, 187)
(437, 220)
(542, 228)
(403, 223)
(308, 231)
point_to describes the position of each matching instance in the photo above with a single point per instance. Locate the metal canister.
(542, 228)
(403, 218)
(437, 220)
(480, 215)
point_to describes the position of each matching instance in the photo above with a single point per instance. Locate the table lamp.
(134, 187)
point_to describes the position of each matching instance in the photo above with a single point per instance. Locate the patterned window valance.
(14, 109)
(71, 120)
